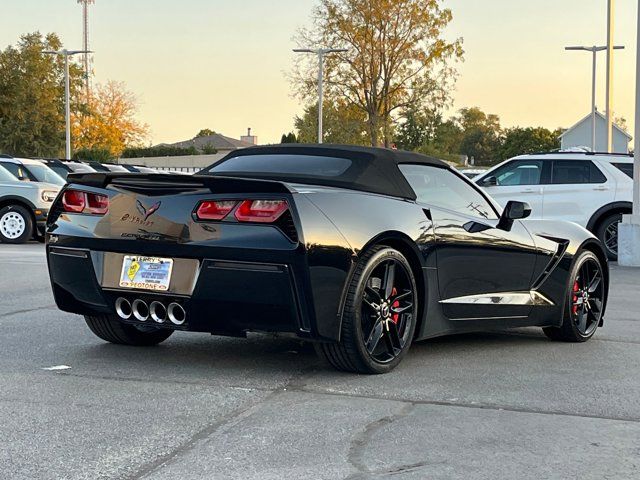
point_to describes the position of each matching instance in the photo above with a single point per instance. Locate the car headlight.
(48, 195)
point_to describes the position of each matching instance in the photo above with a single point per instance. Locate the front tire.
(16, 224)
(585, 301)
(113, 330)
(380, 315)
(607, 233)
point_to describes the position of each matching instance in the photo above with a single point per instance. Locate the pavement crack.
(202, 434)
(475, 405)
(360, 441)
(294, 384)
(27, 310)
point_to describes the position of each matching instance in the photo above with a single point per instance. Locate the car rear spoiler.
(156, 183)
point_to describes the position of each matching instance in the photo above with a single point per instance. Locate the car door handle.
(601, 188)
(528, 190)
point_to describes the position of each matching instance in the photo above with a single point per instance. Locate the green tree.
(415, 131)
(205, 132)
(396, 56)
(32, 96)
(289, 138)
(481, 135)
(342, 123)
(519, 141)
(209, 149)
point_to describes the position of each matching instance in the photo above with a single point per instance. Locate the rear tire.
(16, 224)
(607, 233)
(380, 315)
(585, 300)
(113, 330)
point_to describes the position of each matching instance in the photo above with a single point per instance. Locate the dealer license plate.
(148, 273)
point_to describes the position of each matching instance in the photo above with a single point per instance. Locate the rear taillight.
(215, 210)
(75, 201)
(261, 211)
(255, 211)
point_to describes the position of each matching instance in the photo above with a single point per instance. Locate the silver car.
(24, 206)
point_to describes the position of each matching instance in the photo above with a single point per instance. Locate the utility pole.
(321, 52)
(629, 228)
(85, 39)
(67, 109)
(594, 50)
(610, 11)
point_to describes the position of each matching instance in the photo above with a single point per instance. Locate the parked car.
(139, 169)
(57, 166)
(593, 190)
(359, 250)
(28, 170)
(472, 172)
(107, 167)
(77, 166)
(24, 207)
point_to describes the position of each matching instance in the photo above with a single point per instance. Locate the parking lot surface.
(483, 406)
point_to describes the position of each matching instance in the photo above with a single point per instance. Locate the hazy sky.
(220, 64)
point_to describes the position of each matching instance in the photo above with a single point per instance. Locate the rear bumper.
(227, 297)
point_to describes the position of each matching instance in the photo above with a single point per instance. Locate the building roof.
(371, 169)
(217, 141)
(588, 118)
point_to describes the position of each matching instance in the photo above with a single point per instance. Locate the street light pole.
(67, 108)
(594, 50)
(629, 228)
(610, 8)
(320, 52)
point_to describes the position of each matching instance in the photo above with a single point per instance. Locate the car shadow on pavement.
(191, 357)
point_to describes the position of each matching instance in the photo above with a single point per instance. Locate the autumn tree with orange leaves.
(396, 57)
(105, 119)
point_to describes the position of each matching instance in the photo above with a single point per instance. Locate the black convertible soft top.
(371, 169)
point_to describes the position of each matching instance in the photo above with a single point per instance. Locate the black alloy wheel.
(608, 235)
(585, 301)
(387, 307)
(586, 297)
(380, 315)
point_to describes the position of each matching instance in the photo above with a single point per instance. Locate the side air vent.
(285, 223)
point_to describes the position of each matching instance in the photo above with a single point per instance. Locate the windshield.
(6, 176)
(45, 174)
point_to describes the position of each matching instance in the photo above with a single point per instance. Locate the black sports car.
(360, 250)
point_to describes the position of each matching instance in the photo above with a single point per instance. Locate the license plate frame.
(143, 272)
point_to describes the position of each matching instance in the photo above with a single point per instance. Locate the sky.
(221, 64)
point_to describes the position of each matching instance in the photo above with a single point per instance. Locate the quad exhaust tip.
(176, 313)
(158, 312)
(140, 310)
(123, 308)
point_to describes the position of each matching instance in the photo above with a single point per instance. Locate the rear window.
(626, 168)
(298, 165)
(576, 171)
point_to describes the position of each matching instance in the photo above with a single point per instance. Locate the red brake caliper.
(396, 304)
(574, 307)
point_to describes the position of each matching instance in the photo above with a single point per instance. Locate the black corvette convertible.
(360, 250)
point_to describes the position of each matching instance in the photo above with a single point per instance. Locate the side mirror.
(513, 211)
(489, 181)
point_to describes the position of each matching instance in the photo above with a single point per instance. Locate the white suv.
(590, 189)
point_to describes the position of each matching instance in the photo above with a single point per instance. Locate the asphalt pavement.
(484, 406)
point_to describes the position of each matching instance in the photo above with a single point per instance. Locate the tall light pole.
(321, 52)
(85, 38)
(67, 109)
(610, 9)
(629, 229)
(594, 50)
